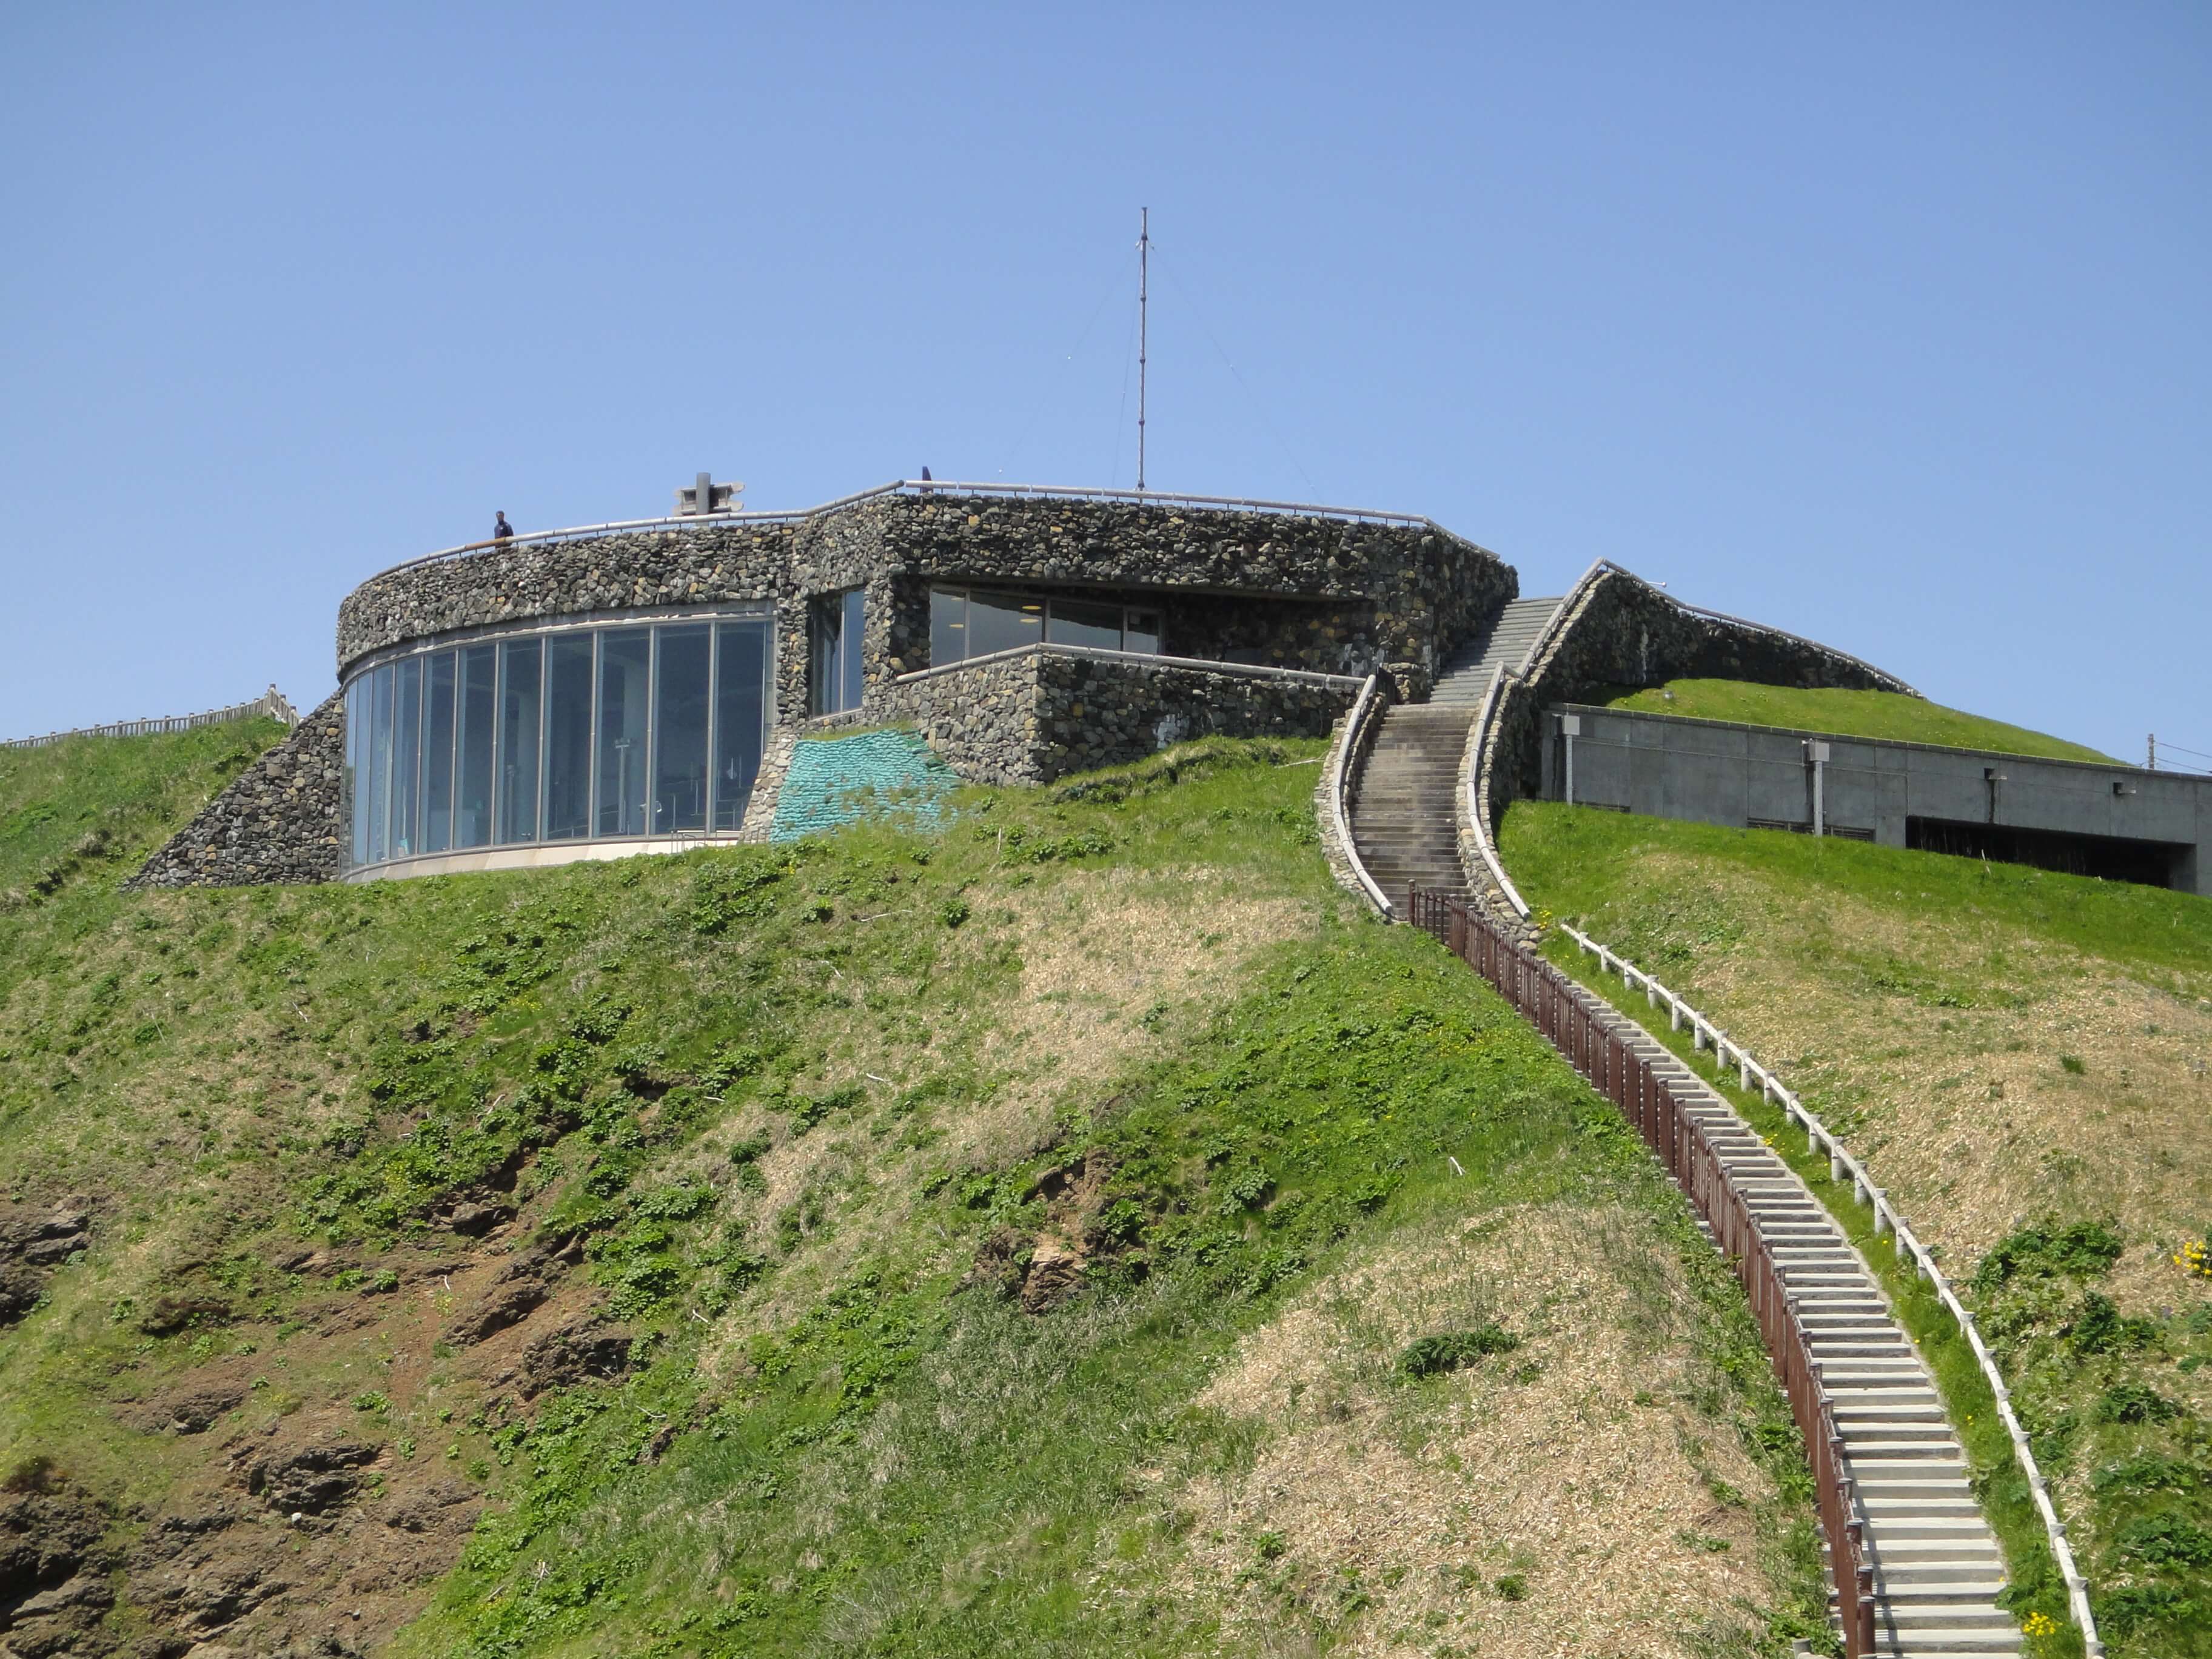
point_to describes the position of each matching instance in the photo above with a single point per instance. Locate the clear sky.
(1886, 324)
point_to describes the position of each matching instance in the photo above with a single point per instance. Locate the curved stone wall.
(1324, 594)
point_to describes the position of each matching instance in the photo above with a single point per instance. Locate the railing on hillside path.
(1560, 1009)
(271, 702)
(1755, 1077)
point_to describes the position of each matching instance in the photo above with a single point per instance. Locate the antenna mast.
(1144, 302)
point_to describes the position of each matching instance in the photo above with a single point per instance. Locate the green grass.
(1848, 714)
(1891, 984)
(1996, 1476)
(750, 1082)
(90, 800)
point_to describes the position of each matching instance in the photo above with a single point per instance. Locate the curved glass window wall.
(584, 733)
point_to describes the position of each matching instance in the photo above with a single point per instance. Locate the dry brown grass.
(1536, 1463)
(1111, 963)
(1967, 1114)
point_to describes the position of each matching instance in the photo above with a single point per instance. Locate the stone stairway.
(1403, 821)
(1463, 679)
(1938, 1568)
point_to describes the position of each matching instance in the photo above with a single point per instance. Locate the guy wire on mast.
(1144, 274)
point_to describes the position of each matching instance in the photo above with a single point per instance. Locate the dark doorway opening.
(2109, 858)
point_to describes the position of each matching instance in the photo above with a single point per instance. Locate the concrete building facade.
(2090, 819)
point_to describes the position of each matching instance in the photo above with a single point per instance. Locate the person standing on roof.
(503, 529)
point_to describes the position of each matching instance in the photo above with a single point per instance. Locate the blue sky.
(1886, 324)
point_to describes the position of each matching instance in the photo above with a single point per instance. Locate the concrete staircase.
(1937, 1566)
(1402, 817)
(1466, 677)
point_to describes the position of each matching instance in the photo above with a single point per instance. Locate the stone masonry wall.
(1619, 629)
(278, 822)
(1396, 598)
(1040, 714)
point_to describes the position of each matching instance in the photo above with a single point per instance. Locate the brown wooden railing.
(1566, 1015)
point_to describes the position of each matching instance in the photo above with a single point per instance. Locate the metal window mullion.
(454, 762)
(591, 746)
(652, 723)
(390, 748)
(420, 816)
(714, 790)
(545, 734)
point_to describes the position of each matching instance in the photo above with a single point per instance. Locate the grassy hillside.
(2021, 1058)
(1076, 1230)
(73, 804)
(1848, 714)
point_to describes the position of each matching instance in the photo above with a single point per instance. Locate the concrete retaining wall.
(1720, 772)
(1616, 628)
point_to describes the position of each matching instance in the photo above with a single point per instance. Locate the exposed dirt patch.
(34, 1240)
(1525, 1506)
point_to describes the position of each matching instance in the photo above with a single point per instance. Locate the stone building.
(639, 687)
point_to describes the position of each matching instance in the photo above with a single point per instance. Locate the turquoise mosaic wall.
(834, 781)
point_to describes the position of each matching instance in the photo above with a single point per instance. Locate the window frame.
(382, 668)
(965, 593)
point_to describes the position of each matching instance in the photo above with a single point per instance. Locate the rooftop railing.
(918, 487)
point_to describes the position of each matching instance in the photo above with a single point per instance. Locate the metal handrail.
(1818, 1137)
(1340, 785)
(271, 702)
(1138, 658)
(933, 487)
(1566, 1015)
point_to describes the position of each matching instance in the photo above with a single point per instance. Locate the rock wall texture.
(1616, 628)
(1328, 595)
(278, 821)
(1034, 715)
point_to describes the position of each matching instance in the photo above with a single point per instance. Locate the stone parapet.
(1032, 715)
(1326, 594)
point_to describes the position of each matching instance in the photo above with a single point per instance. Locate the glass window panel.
(379, 760)
(519, 664)
(479, 707)
(853, 684)
(438, 753)
(357, 746)
(1074, 623)
(997, 621)
(948, 626)
(740, 705)
(825, 627)
(568, 736)
(1143, 633)
(625, 694)
(680, 740)
(406, 758)
(835, 625)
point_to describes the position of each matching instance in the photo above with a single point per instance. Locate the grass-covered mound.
(1847, 713)
(2022, 1058)
(89, 801)
(1078, 1230)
